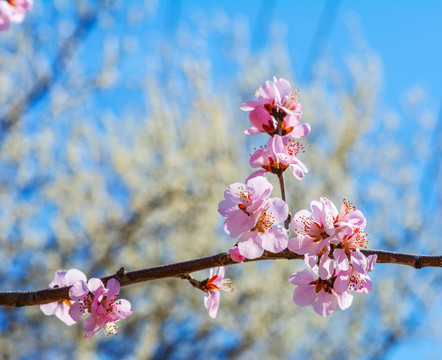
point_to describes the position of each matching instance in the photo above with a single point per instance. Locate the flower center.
(265, 221)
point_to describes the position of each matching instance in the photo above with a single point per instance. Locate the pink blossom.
(276, 102)
(243, 204)
(349, 217)
(61, 308)
(100, 302)
(279, 154)
(266, 234)
(348, 251)
(235, 254)
(13, 11)
(325, 225)
(314, 229)
(212, 286)
(318, 293)
(355, 276)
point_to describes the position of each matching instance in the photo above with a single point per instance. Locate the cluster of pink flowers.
(91, 297)
(276, 111)
(330, 242)
(13, 11)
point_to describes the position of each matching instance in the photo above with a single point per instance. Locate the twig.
(183, 269)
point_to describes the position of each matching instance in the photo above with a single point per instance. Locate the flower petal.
(74, 275)
(275, 239)
(49, 309)
(345, 299)
(211, 302)
(304, 295)
(249, 245)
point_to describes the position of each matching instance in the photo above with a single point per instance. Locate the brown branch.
(183, 269)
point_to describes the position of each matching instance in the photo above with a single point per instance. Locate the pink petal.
(325, 303)
(297, 171)
(303, 277)
(76, 311)
(341, 259)
(249, 105)
(63, 315)
(317, 210)
(300, 244)
(59, 279)
(249, 245)
(267, 92)
(211, 302)
(74, 275)
(345, 299)
(341, 282)
(275, 239)
(123, 309)
(114, 288)
(78, 290)
(91, 327)
(371, 262)
(237, 223)
(304, 295)
(95, 285)
(221, 272)
(260, 117)
(283, 87)
(231, 193)
(49, 309)
(367, 285)
(326, 267)
(276, 144)
(226, 207)
(257, 173)
(357, 219)
(259, 158)
(359, 261)
(261, 187)
(252, 131)
(300, 130)
(279, 210)
(311, 260)
(297, 222)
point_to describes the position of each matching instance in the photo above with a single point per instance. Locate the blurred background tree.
(121, 129)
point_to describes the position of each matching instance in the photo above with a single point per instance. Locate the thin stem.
(181, 270)
(280, 118)
(282, 186)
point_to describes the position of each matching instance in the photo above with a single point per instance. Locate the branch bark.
(182, 269)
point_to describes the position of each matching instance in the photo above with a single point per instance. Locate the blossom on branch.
(314, 229)
(13, 11)
(266, 234)
(277, 104)
(100, 302)
(279, 154)
(318, 293)
(212, 286)
(243, 205)
(61, 308)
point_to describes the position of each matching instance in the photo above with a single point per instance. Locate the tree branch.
(183, 269)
